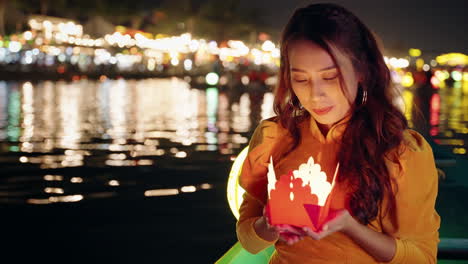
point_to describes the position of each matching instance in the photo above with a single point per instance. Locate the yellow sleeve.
(251, 208)
(415, 223)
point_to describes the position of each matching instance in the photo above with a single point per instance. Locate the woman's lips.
(322, 111)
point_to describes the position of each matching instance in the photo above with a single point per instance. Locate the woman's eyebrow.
(297, 70)
(324, 69)
(328, 68)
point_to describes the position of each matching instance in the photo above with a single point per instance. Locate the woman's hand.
(290, 234)
(286, 233)
(342, 221)
(264, 230)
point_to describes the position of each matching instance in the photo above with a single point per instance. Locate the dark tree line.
(213, 19)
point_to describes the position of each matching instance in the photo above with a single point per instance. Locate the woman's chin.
(325, 121)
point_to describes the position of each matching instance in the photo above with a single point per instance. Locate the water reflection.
(64, 123)
(115, 123)
(57, 199)
(444, 107)
(183, 189)
(158, 123)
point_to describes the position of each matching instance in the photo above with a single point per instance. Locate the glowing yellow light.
(275, 53)
(398, 63)
(234, 190)
(206, 186)
(145, 162)
(53, 178)
(67, 198)
(133, 50)
(47, 24)
(452, 59)
(442, 85)
(465, 87)
(151, 64)
(403, 63)
(56, 199)
(446, 74)
(34, 24)
(114, 183)
(119, 156)
(435, 81)
(268, 46)
(161, 192)
(440, 75)
(181, 154)
(407, 80)
(27, 35)
(188, 64)
(223, 80)
(419, 64)
(190, 188)
(408, 100)
(14, 46)
(120, 162)
(175, 61)
(245, 80)
(76, 180)
(53, 190)
(212, 78)
(38, 201)
(461, 151)
(457, 76)
(266, 58)
(414, 52)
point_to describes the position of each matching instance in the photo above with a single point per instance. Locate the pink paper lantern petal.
(313, 211)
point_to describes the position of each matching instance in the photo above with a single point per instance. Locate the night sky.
(435, 26)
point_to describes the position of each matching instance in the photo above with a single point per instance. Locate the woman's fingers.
(267, 220)
(289, 238)
(291, 229)
(315, 235)
(318, 235)
(293, 240)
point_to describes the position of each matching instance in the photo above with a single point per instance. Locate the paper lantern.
(300, 198)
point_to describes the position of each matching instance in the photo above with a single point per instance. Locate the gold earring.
(364, 97)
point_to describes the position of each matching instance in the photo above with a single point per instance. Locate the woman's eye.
(329, 78)
(300, 80)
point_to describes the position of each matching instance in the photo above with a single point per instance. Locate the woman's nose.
(316, 90)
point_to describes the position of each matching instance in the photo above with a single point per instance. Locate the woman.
(334, 103)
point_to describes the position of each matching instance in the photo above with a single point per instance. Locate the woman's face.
(316, 83)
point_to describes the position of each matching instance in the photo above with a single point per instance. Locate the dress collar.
(334, 134)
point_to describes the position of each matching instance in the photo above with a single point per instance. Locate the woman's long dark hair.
(375, 127)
